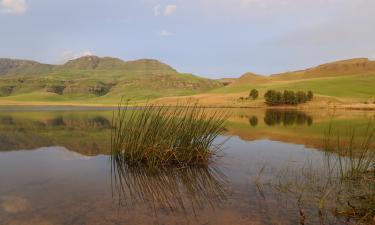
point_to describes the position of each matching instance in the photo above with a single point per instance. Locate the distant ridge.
(22, 67)
(337, 68)
(91, 76)
(29, 67)
(252, 77)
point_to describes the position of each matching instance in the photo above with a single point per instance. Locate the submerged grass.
(343, 185)
(160, 136)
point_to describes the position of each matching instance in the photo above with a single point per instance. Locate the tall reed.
(158, 136)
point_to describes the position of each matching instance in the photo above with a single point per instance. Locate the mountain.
(93, 78)
(22, 67)
(251, 78)
(338, 68)
(108, 63)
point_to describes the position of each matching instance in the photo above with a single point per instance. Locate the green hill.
(348, 80)
(93, 79)
(105, 80)
(22, 67)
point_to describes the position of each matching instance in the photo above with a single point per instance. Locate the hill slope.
(95, 79)
(342, 82)
(338, 68)
(22, 67)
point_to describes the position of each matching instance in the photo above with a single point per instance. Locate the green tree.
(301, 97)
(289, 97)
(310, 95)
(270, 97)
(254, 94)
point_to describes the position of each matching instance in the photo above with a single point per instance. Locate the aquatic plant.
(158, 136)
(343, 185)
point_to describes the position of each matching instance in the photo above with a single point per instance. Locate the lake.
(55, 168)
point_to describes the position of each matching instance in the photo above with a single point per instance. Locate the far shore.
(354, 106)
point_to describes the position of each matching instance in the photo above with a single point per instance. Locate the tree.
(289, 97)
(254, 94)
(301, 97)
(270, 97)
(310, 95)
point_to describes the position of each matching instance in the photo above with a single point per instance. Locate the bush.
(100, 89)
(57, 89)
(254, 94)
(6, 90)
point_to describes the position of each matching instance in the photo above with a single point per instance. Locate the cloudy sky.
(214, 38)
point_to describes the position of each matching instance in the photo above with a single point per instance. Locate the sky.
(212, 38)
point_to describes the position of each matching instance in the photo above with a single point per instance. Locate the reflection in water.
(169, 190)
(13, 204)
(253, 121)
(287, 118)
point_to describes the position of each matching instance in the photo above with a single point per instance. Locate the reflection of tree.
(287, 118)
(253, 121)
(168, 190)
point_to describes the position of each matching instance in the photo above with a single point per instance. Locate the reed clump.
(160, 136)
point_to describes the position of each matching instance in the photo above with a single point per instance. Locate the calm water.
(55, 169)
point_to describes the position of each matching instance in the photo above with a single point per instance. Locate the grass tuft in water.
(160, 136)
(343, 185)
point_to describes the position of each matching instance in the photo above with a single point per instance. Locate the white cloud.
(169, 9)
(157, 10)
(69, 55)
(165, 33)
(13, 6)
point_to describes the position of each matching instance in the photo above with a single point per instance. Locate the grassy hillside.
(95, 80)
(349, 80)
(92, 79)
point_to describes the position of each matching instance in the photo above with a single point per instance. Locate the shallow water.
(55, 169)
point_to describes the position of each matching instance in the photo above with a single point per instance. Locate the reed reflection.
(169, 190)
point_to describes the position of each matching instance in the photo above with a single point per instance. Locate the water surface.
(55, 169)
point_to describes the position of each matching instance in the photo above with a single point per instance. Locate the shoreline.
(356, 107)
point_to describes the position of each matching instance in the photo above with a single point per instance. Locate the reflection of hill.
(88, 132)
(89, 135)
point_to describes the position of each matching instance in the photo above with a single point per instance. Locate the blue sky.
(213, 38)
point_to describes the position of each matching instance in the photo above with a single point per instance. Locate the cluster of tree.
(273, 97)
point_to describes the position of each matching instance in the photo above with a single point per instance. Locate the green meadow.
(352, 88)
